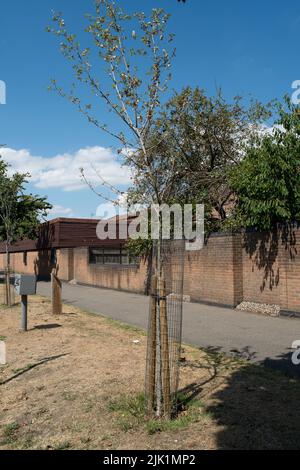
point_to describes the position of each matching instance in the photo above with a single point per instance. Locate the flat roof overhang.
(64, 233)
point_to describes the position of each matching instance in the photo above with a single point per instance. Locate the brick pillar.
(237, 265)
(289, 277)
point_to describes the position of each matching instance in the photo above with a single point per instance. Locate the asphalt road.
(258, 338)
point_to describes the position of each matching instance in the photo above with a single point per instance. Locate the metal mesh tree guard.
(164, 327)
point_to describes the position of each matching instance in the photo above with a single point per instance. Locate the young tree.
(19, 213)
(267, 181)
(133, 51)
(126, 66)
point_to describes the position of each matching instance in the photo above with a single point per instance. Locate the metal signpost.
(25, 284)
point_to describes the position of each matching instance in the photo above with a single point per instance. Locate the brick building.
(229, 269)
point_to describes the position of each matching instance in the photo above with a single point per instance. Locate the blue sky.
(243, 47)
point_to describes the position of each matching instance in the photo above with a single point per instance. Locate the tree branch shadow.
(251, 406)
(263, 250)
(258, 408)
(33, 366)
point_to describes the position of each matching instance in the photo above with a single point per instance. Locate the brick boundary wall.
(229, 269)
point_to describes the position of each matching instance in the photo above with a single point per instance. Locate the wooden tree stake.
(56, 294)
(152, 347)
(164, 341)
(8, 300)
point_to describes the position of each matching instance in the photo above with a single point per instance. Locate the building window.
(111, 256)
(25, 258)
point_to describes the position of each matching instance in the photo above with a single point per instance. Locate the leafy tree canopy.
(267, 181)
(20, 214)
(196, 141)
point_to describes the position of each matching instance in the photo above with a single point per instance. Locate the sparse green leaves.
(113, 35)
(125, 63)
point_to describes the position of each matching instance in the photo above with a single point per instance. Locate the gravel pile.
(265, 309)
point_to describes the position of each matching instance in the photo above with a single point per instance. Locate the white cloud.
(63, 171)
(60, 211)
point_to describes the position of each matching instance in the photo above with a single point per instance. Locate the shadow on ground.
(49, 326)
(29, 367)
(254, 407)
(282, 362)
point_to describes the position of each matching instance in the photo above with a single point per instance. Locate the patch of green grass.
(182, 421)
(130, 405)
(2, 338)
(184, 402)
(131, 414)
(9, 433)
(130, 410)
(188, 411)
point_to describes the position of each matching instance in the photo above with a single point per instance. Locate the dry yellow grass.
(74, 382)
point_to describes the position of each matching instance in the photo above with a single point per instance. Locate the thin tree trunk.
(159, 358)
(159, 385)
(164, 335)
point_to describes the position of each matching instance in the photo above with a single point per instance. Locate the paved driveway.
(259, 338)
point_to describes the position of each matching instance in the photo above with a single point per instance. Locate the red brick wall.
(261, 269)
(115, 277)
(289, 275)
(64, 270)
(209, 274)
(271, 268)
(229, 269)
(36, 263)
